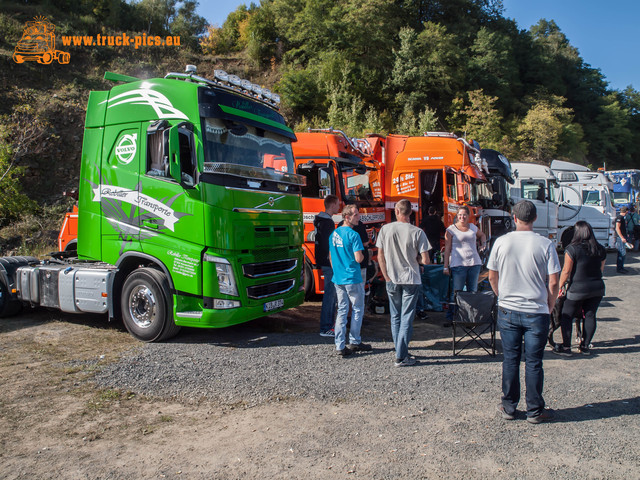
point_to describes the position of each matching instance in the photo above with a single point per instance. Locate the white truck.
(584, 195)
(538, 184)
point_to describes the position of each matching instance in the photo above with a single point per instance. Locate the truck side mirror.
(174, 153)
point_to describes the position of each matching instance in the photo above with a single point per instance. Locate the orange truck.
(438, 169)
(347, 168)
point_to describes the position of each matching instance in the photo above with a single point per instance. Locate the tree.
(544, 129)
(188, 24)
(21, 133)
(225, 39)
(492, 66)
(483, 120)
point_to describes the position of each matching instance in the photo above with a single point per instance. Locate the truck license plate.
(273, 305)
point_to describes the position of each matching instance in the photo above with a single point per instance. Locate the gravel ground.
(271, 399)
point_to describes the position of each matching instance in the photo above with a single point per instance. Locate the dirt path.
(55, 422)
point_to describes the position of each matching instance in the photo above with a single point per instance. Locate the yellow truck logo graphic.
(38, 43)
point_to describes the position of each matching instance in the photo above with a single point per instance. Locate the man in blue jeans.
(524, 272)
(400, 244)
(621, 240)
(346, 255)
(324, 224)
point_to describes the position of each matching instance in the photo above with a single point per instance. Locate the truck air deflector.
(258, 119)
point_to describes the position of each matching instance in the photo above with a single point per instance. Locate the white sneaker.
(405, 362)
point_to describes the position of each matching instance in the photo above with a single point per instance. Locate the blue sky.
(607, 34)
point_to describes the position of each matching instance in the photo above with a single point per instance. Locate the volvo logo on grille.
(271, 202)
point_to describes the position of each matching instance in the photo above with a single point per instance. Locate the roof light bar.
(232, 82)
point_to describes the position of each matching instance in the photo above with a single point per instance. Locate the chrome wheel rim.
(142, 306)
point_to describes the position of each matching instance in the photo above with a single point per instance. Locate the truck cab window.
(534, 190)
(319, 181)
(452, 191)
(158, 149)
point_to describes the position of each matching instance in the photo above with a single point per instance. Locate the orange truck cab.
(438, 169)
(335, 164)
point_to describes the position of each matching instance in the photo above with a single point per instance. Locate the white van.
(538, 184)
(584, 195)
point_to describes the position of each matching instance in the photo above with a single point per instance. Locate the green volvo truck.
(189, 213)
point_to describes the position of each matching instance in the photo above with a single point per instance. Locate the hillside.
(362, 66)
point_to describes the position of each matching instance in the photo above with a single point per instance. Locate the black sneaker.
(622, 270)
(562, 351)
(504, 414)
(545, 416)
(422, 315)
(584, 350)
(345, 352)
(359, 347)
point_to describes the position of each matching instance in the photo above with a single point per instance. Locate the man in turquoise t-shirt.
(346, 254)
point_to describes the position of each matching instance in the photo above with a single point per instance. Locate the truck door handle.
(150, 223)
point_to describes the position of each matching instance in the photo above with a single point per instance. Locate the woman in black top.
(583, 265)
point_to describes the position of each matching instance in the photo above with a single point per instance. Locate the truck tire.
(9, 303)
(8, 307)
(146, 306)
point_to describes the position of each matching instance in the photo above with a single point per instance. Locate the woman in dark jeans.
(583, 265)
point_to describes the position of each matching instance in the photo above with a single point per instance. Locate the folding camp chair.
(474, 317)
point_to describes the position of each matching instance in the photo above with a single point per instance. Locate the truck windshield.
(481, 194)
(500, 193)
(237, 143)
(360, 186)
(591, 197)
(620, 198)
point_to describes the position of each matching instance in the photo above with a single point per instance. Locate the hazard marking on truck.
(138, 199)
(146, 96)
(126, 148)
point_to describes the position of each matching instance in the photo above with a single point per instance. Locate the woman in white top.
(461, 259)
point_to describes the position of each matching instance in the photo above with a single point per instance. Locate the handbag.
(556, 313)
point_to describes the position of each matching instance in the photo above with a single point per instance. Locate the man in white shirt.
(524, 272)
(399, 246)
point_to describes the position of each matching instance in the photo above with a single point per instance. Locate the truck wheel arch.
(126, 264)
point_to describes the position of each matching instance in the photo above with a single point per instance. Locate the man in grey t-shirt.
(399, 246)
(523, 272)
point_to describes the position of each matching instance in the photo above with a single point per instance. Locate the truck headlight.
(226, 278)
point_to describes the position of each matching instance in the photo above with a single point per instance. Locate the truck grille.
(269, 254)
(270, 289)
(265, 236)
(257, 270)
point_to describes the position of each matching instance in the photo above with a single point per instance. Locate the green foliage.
(21, 133)
(545, 127)
(483, 119)
(13, 203)
(262, 38)
(225, 39)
